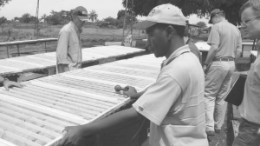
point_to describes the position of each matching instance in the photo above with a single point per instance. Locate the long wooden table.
(36, 114)
(42, 61)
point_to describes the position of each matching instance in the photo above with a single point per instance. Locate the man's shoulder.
(183, 63)
(66, 28)
(228, 25)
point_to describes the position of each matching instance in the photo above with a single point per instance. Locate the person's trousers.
(217, 85)
(248, 134)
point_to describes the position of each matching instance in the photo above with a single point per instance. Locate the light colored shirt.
(226, 38)
(250, 106)
(175, 102)
(69, 46)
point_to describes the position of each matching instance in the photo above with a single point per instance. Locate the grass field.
(91, 36)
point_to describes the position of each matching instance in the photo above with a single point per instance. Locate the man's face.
(251, 22)
(81, 23)
(158, 40)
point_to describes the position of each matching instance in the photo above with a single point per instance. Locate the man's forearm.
(111, 121)
(139, 94)
(211, 54)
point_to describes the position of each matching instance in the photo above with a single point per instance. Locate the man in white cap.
(174, 104)
(69, 53)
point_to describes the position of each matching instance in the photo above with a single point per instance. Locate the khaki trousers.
(217, 85)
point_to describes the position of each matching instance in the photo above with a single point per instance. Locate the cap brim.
(144, 24)
(83, 18)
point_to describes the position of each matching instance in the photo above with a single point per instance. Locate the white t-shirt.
(175, 102)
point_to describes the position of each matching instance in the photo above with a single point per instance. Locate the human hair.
(251, 4)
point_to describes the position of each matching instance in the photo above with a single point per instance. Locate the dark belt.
(224, 59)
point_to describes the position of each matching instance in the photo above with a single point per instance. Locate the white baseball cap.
(81, 12)
(165, 14)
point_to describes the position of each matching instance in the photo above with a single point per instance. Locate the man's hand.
(206, 68)
(74, 136)
(7, 84)
(130, 91)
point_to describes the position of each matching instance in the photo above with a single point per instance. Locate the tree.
(93, 16)
(58, 18)
(199, 7)
(3, 2)
(44, 16)
(27, 18)
(128, 15)
(2, 20)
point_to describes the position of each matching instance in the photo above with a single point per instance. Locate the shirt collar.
(175, 54)
(75, 27)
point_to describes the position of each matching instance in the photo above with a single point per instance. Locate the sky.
(16, 8)
(104, 8)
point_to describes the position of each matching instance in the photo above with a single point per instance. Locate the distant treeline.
(62, 17)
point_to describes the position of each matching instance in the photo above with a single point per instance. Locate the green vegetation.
(92, 35)
(199, 7)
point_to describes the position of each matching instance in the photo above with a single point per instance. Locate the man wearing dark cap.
(69, 53)
(226, 44)
(174, 104)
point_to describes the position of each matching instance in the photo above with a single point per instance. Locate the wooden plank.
(23, 131)
(47, 60)
(88, 86)
(121, 74)
(102, 115)
(6, 143)
(73, 98)
(122, 69)
(32, 122)
(15, 138)
(87, 114)
(43, 109)
(72, 91)
(49, 122)
(126, 71)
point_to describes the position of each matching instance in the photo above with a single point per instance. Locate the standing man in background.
(226, 44)
(249, 128)
(69, 53)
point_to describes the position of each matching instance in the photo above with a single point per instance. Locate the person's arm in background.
(238, 50)
(62, 47)
(213, 41)
(211, 54)
(7, 83)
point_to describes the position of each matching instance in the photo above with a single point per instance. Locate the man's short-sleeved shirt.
(250, 106)
(226, 38)
(69, 46)
(174, 103)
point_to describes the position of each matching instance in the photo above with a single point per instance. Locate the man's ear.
(170, 31)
